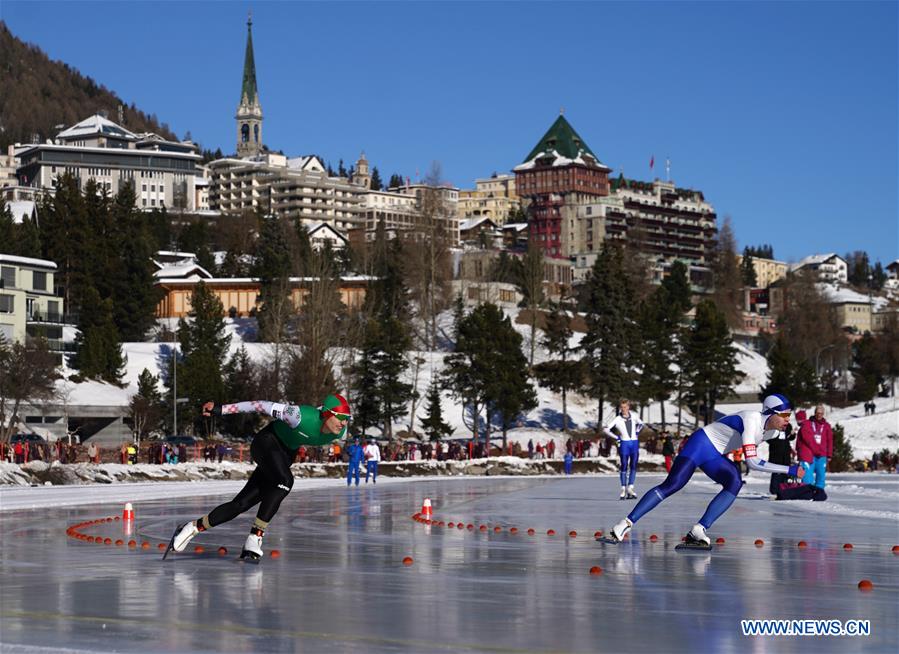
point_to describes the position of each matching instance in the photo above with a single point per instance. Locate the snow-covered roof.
(815, 260)
(309, 162)
(27, 261)
(182, 271)
(21, 209)
(471, 223)
(558, 160)
(314, 227)
(225, 281)
(96, 124)
(518, 227)
(845, 295)
(117, 152)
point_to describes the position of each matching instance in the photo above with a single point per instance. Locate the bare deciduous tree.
(27, 374)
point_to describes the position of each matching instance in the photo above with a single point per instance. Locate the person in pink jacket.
(815, 447)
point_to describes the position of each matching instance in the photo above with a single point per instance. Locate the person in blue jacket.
(356, 453)
(568, 459)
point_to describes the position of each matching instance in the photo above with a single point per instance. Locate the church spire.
(249, 111)
(248, 92)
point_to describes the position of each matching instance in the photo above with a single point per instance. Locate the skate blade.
(694, 547)
(607, 540)
(245, 557)
(171, 545)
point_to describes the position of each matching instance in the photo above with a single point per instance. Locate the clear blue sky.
(783, 114)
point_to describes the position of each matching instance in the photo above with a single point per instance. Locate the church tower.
(361, 176)
(249, 111)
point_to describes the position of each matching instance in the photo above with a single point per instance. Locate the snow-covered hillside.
(867, 434)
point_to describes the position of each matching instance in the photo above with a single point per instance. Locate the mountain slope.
(39, 94)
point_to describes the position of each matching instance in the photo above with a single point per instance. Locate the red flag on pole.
(652, 161)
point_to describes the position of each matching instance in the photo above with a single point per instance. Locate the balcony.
(44, 317)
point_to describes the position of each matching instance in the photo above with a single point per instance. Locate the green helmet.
(336, 405)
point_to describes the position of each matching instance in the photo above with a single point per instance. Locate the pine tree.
(509, 389)
(748, 270)
(272, 267)
(302, 250)
(232, 266)
(241, 384)
(869, 368)
(432, 424)
(842, 451)
(204, 346)
(390, 364)
(677, 285)
(146, 406)
(376, 183)
(98, 349)
(366, 407)
(529, 280)
(28, 239)
(790, 375)
(341, 171)
(67, 238)
(135, 293)
(387, 302)
(8, 231)
(710, 360)
(487, 367)
(659, 327)
(611, 334)
(560, 374)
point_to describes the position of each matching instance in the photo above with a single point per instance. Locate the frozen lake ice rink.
(340, 584)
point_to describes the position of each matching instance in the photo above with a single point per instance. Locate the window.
(6, 303)
(8, 276)
(39, 281)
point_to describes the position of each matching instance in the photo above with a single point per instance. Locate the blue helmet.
(776, 403)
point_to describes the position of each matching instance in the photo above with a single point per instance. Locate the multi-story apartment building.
(493, 198)
(828, 267)
(29, 305)
(767, 271)
(398, 211)
(162, 172)
(297, 188)
(9, 162)
(670, 222)
(560, 176)
(433, 203)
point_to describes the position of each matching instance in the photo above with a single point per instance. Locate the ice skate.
(617, 533)
(696, 540)
(631, 493)
(252, 549)
(623, 495)
(181, 537)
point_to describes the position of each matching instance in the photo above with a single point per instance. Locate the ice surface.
(340, 584)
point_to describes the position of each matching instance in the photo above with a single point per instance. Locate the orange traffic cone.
(426, 512)
(128, 513)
